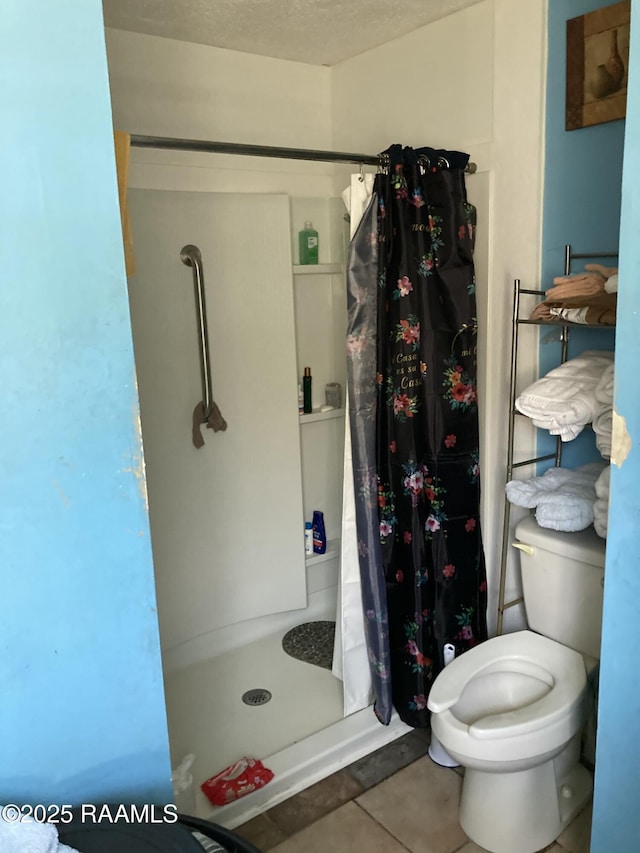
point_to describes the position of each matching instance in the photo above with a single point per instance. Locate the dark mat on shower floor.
(311, 642)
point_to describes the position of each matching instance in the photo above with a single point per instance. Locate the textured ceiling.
(320, 32)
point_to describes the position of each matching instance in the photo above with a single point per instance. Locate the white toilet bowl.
(511, 711)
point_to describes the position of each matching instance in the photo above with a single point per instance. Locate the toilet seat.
(551, 714)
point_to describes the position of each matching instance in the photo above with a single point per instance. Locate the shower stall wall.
(224, 513)
(227, 518)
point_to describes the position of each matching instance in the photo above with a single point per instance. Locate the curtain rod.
(261, 151)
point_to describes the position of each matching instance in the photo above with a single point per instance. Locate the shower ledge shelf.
(321, 416)
(317, 269)
(333, 551)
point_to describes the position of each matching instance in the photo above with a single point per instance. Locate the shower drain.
(258, 696)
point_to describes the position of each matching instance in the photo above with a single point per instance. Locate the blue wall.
(82, 712)
(582, 186)
(585, 188)
(616, 817)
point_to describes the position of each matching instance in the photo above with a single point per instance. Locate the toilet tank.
(562, 584)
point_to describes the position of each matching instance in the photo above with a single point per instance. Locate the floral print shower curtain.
(411, 350)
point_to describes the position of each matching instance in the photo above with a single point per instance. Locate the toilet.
(512, 710)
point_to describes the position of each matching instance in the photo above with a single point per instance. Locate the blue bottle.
(319, 535)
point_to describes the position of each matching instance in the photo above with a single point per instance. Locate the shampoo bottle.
(308, 243)
(319, 535)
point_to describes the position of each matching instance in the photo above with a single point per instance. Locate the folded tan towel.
(592, 282)
(606, 272)
(601, 310)
(571, 286)
(215, 421)
(542, 311)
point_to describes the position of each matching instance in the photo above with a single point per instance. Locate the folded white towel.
(27, 836)
(563, 498)
(603, 483)
(604, 387)
(603, 426)
(573, 315)
(527, 493)
(565, 396)
(601, 517)
(563, 512)
(603, 419)
(567, 432)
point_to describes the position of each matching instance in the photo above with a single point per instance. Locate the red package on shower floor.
(235, 781)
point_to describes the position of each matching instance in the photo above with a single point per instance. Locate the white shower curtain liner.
(350, 657)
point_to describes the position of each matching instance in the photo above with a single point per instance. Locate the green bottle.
(306, 391)
(308, 240)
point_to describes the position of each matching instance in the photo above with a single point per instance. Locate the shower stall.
(227, 519)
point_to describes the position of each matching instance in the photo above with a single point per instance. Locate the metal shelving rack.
(517, 321)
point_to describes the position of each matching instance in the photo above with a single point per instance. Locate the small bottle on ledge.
(306, 391)
(319, 535)
(308, 538)
(308, 244)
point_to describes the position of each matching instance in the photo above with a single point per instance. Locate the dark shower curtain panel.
(414, 423)
(362, 278)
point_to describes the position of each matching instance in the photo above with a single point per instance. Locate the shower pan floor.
(207, 717)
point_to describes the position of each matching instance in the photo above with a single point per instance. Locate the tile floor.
(372, 805)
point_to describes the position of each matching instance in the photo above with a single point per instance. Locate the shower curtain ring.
(424, 163)
(443, 163)
(361, 175)
(383, 162)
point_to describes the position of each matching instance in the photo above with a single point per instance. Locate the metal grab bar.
(191, 256)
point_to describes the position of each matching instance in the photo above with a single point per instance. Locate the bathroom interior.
(224, 604)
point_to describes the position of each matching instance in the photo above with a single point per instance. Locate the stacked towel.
(571, 315)
(571, 286)
(603, 426)
(603, 419)
(588, 298)
(564, 400)
(604, 389)
(605, 272)
(563, 499)
(588, 310)
(601, 505)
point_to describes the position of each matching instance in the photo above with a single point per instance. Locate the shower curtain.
(350, 654)
(411, 372)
